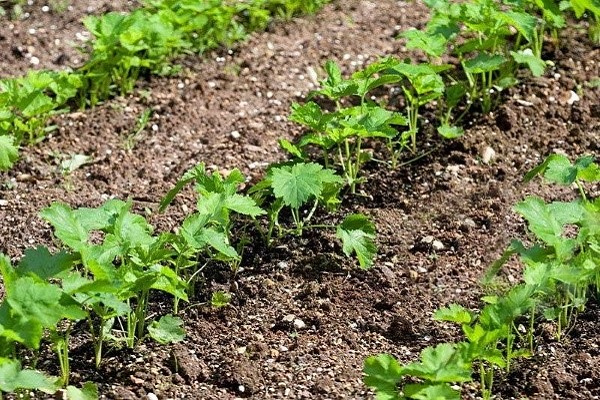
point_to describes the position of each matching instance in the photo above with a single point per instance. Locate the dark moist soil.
(441, 220)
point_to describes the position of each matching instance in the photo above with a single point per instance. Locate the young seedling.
(296, 186)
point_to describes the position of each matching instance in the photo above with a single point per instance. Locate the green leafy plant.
(206, 235)
(119, 272)
(26, 104)
(295, 186)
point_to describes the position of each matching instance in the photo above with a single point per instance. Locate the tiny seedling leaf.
(220, 299)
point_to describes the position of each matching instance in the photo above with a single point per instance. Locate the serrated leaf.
(454, 313)
(432, 44)
(12, 377)
(425, 391)
(295, 185)
(42, 263)
(291, 149)
(525, 23)
(450, 131)
(357, 234)
(66, 226)
(484, 63)
(541, 220)
(536, 65)
(382, 374)
(243, 205)
(9, 152)
(36, 300)
(167, 330)
(442, 363)
(89, 391)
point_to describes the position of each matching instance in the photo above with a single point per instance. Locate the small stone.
(34, 60)
(152, 396)
(427, 239)
(235, 134)
(136, 380)
(488, 155)
(573, 98)
(45, 9)
(469, 223)
(289, 318)
(155, 128)
(437, 245)
(283, 349)
(3, 203)
(299, 324)
(312, 75)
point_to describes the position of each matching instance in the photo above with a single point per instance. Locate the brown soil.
(251, 349)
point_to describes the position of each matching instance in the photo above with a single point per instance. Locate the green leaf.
(41, 263)
(167, 330)
(558, 168)
(292, 149)
(484, 63)
(382, 374)
(36, 300)
(243, 205)
(296, 184)
(66, 226)
(432, 44)
(426, 391)
(357, 234)
(442, 363)
(9, 152)
(454, 313)
(309, 114)
(12, 377)
(536, 65)
(525, 23)
(89, 391)
(541, 220)
(220, 299)
(450, 131)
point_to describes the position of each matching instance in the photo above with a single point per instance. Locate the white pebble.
(34, 60)
(488, 155)
(573, 98)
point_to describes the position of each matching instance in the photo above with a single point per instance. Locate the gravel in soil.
(303, 318)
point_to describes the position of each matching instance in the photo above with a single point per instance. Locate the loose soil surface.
(441, 219)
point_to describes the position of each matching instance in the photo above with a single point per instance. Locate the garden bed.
(302, 318)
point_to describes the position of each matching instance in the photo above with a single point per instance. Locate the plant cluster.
(486, 41)
(126, 47)
(113, 261)
(562, 269)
